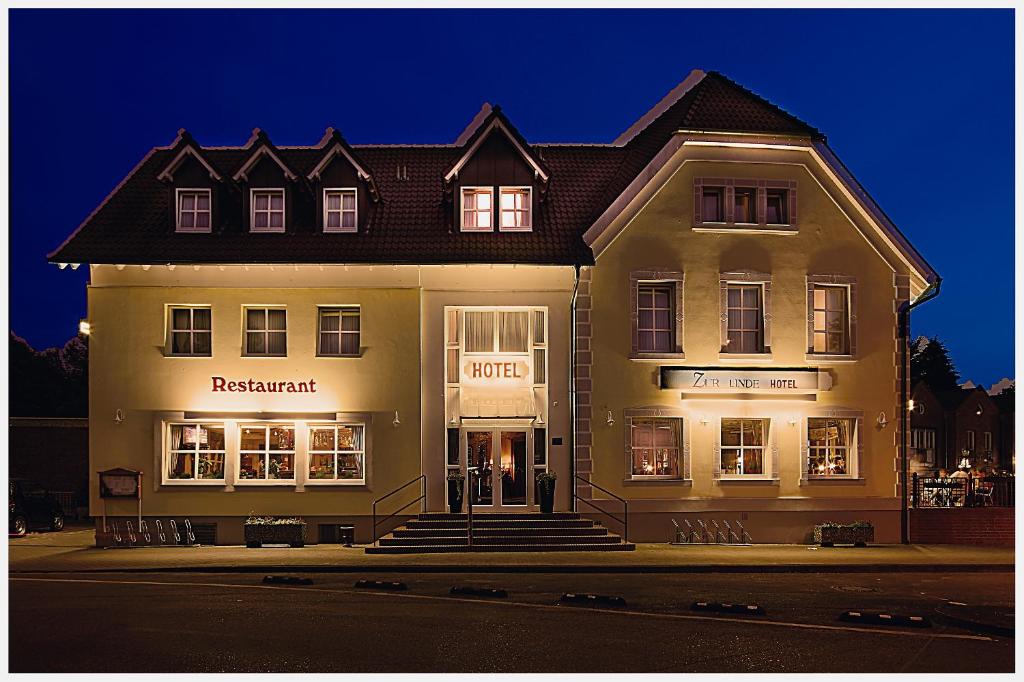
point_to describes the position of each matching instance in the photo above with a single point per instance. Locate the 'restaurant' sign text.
(222, 385)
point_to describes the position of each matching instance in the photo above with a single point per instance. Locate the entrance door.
(501, 456)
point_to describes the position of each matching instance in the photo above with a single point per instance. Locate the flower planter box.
(828, 535)
(277, 532)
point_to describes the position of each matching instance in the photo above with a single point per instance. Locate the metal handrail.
(625, 506)
(470, 473)
(423, 496)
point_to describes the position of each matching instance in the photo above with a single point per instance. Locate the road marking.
(545, 607)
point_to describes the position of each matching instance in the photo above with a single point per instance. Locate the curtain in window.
(514, 332)
(479, 331)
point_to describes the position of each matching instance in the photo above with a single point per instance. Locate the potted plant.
(456, 488)
(274, 530)
(858, 534)
(546, 489)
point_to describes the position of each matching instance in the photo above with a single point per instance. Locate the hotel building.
(700, 317)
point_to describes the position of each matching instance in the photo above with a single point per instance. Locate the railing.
(992, 491)
(625, 506)
(423, 497)
(67, 502)
(470, 473)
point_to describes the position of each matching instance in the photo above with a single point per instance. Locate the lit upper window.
(777, 207)
(193, 210)
(267, 210)
(516, 213)
(340, 210)
(477, 209)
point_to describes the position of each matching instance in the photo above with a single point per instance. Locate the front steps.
(500, 532)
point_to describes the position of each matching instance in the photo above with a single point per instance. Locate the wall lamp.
(396, 421)
(84, 327)
(882, 420)
(611, 419)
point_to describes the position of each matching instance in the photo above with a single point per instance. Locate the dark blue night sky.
(919, 104)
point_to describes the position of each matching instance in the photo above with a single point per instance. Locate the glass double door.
(504, 475)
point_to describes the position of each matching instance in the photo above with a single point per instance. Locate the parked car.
(32, 507)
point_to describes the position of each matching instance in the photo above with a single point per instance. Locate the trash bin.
(346, 535)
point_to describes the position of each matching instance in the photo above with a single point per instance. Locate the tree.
(49, 383)
(930, 363)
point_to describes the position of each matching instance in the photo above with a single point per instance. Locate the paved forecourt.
(73, 551)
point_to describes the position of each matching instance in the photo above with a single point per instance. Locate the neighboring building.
(946, 424)
(53, 452)
(700, 317)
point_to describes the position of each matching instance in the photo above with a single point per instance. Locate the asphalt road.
(235, 623)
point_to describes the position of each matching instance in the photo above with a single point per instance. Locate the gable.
(496, 162)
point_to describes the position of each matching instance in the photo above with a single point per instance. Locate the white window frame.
(764, 348)
(170, 330)
(342, 311)
(847, 333)
(496, 338)
(672, 326)
(267, 452)
(341, 211)
(177, 210)
(986, 441)
(310, 452)
(851, 449)
(971, 440)
(768, 451)
(475, 189)
(923, 438)
(166, 451)
(513, 189)
(246, 331)
(252, 210)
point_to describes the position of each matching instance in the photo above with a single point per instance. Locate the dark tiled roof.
(411, 223)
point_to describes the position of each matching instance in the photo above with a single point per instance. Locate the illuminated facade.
(700, 317)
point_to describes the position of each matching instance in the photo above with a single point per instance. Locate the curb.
(552, 568)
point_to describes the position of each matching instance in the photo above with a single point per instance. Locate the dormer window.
(340, 210)
(477, 209)
(516, 211)
(267, 212)
(193, 210)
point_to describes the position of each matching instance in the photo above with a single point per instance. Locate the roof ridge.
(763, 100)
(664, 104)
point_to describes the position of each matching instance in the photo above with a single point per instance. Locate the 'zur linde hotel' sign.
(744, 380)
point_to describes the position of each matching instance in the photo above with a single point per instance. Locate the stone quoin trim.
(652, 276)
(631, 413)
(583, 387)
(851, 314)
(745, 277)
(901, 295)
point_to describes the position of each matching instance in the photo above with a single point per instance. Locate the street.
(153, 622)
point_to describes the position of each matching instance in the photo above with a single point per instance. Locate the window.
(516, 207)
(336, 453)
(745, 205)
(193, 210)
(339, 331)
(511, 336)
(970, 440)
(777, 207)
(923, 442)
(743, 446)
(267, 213)
(713, 204)
(830, 445)
(745, 319)
(266, 452)
(479, 331)
(195, 452)
(654, 446)
(477, 207)
(189, 331)
(987, 441)
(831, 320)
(266, 332)
(340, 210)
(655, 318)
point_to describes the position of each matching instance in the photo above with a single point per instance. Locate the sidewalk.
(72, 551)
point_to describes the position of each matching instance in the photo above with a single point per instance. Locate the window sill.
(263, 357)
(746, 481)
(656, 357)
(332, 482)
(193, 482)
(746, 357)
(829, 359)
(741, 228)
(243, 483)
(188, 357)
(833, 480)
(339, 356)
(657, 481)
(338, 230)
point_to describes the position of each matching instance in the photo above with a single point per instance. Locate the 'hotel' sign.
(744, 380)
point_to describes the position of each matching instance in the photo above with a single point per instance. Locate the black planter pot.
(455, 491)
(547, 497)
